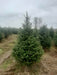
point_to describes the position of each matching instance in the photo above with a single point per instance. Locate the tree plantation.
(28, 49)
(31, 43)
(5, 32)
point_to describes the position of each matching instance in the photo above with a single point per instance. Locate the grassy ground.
(47, 66)
(6, 63)
(7, 44)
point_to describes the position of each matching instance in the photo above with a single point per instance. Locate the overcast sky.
(12, 11)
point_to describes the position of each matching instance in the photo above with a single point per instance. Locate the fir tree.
(27, 50)
(55, 39)
(51, 32)
(44, 37)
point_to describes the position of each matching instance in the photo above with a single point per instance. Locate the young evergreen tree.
(6, 33)
(44, 37)
(27, 50)
(55, 39)
(51, 32)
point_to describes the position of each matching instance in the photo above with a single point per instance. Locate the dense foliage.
(51, 32)
(44, 37)
(55, 39)
(27, 50)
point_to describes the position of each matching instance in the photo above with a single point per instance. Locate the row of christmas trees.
(32, 42)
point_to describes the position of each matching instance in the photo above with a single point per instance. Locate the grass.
(1, 51)
(6, 64)
(7, 44)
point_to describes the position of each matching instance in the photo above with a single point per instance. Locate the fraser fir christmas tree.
(44, 37)
(27, 50)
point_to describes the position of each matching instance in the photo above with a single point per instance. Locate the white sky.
(12, 11)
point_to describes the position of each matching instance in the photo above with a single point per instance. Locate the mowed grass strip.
(7, 44)
(1, 51)
(7, 63)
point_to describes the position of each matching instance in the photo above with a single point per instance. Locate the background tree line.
(5, 32)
